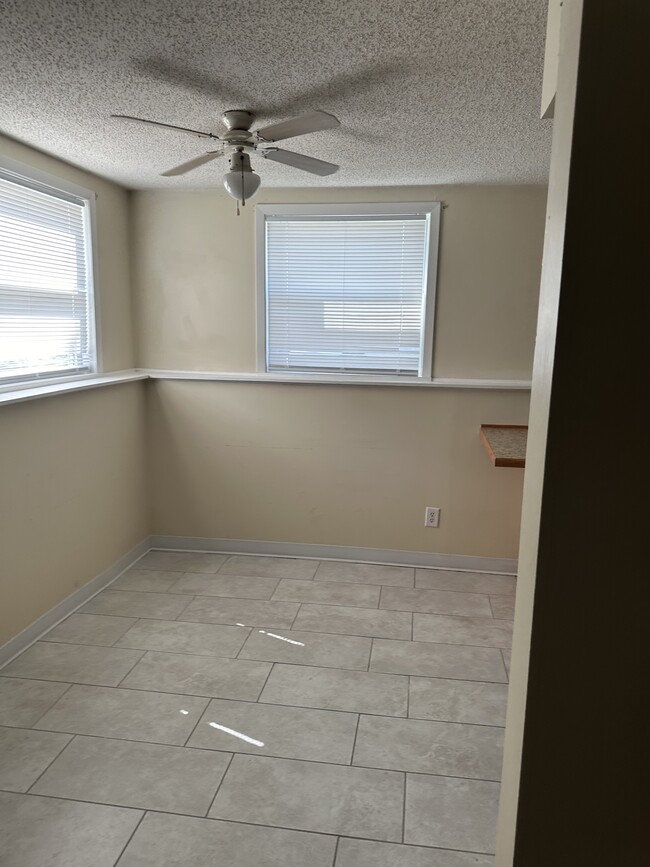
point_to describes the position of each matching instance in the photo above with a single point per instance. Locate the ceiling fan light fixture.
(241, 182)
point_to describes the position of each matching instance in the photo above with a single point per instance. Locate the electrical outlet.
(432, 516)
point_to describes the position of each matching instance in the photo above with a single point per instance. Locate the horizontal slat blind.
(45, 284)
(346, 294)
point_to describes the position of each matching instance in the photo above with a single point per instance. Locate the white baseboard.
(55, 615)
(383, 556)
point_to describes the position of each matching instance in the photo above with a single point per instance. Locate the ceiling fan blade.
(300, 161)
(312, 122)
(165, 125)
(192, 164)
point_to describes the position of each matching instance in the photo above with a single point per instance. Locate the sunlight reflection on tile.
(282, 638)
(236, 734)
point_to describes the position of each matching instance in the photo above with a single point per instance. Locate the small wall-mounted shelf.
(505, 443)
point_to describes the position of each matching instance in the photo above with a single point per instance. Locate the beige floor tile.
(271, 730)
(162, 606)
(181, 561)
(465, 582)
(199, 675)
(308, 796)
(455, 661)
(247, 612)
(435, 601)
(451, 813)
(125, 713)
(146, 580)
(365, 573)
(269, 567)
(367, 853)
(127, 774)
(503, 607)
(355, 691)
(237, 586)
(202, 639)
(354, 621)
(308, 648)
(23, 702)
(458, 701)
(90, 629)
(25, 754)
(178, 841)
(448, 749)
(445, 629)
(359, 595)
(104, 666)
(47, 832)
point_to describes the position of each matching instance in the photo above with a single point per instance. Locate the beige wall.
(113, 284)
(73, 495)
(195, 276)
(338, 465)
(334, 464)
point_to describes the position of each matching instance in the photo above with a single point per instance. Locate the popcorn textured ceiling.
(427, 92)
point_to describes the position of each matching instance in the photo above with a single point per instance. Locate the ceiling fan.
(239, 141)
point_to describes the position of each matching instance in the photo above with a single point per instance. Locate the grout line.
(259, 696)
(244, 643)
(49, 764)
(354, 742)
(195, 726)
(137, 662)
(404, 809)
(505, 667)
(185, 608)
(372, 647)
(131, 836)
(300, 604)
(412, 624)
(221, 782)
(56, 701)
(408, 698)
(336, 851)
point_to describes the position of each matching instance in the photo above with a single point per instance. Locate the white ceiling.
(427, 91)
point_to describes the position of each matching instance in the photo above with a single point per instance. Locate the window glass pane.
(45, 290)
(346, 295)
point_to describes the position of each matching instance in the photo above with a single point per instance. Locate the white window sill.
(45, 389)
(337, 379)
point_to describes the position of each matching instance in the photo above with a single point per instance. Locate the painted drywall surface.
(340, 465)
(574, 782)
(537, 434)
(334, 464)
(73, 498)
(195, 276)
(73, 495)
(113, 285)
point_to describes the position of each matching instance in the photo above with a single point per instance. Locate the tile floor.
(216, 711)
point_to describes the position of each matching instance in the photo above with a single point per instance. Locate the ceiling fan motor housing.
(238, 119)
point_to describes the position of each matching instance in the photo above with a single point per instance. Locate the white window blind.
(46, 326)
(346, 293)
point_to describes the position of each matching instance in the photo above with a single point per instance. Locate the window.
(347, 289)
(46, 282)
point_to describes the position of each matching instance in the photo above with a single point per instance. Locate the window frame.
(35, 178)
(370, 209)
